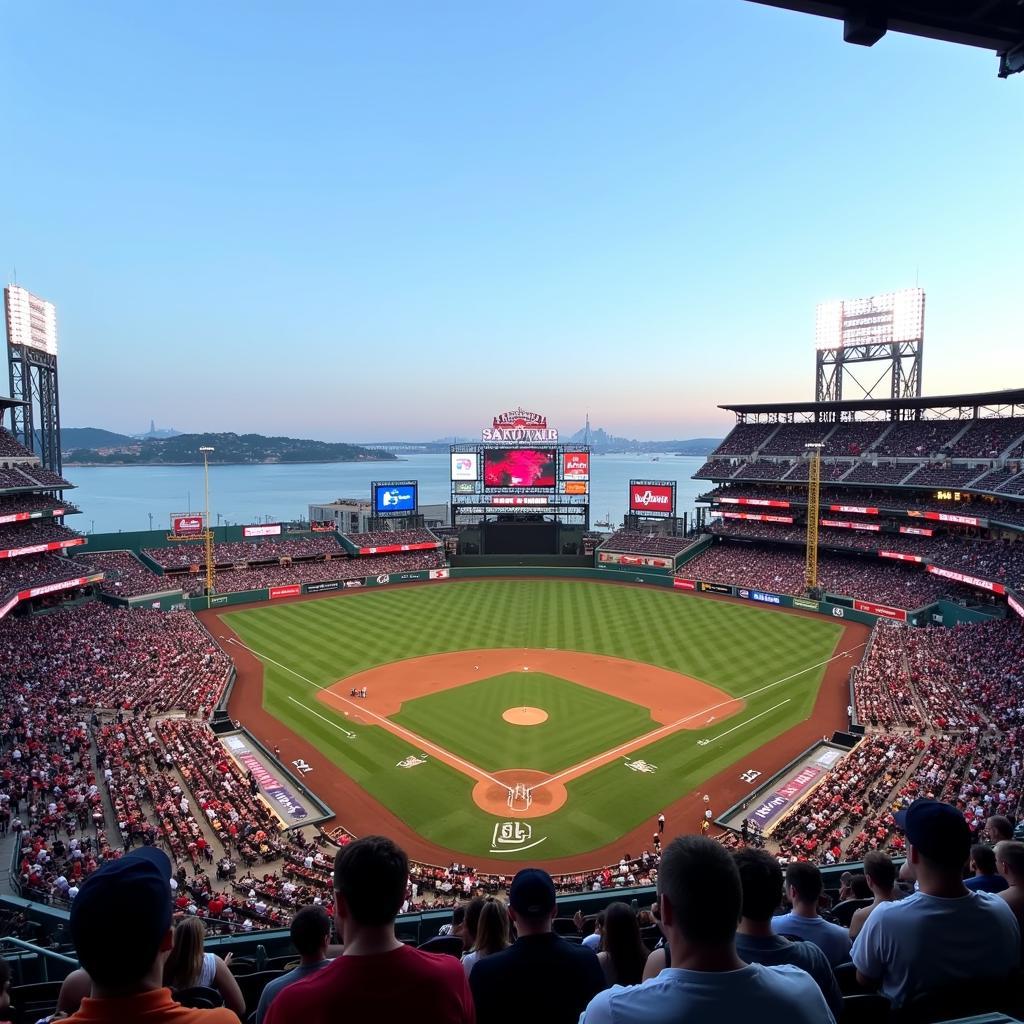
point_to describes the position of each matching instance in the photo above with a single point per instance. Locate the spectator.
(540, 973)
(311, 935)
(700, 900)
(121, 927)
(943, 933)
(189, 966)
(880, 873)
(999, 829)
(377, 977)
(593, 940)
(623, 954)
(492, 932)
(470, 922)
(983, 864)
(756, 943)
(1010, 858)
(804, 888)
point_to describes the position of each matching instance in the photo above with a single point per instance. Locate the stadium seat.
(965, 999)
(450, 944)
(865, 1009)
(252, 986)
(564, 926)
(282, 963)
(843, 912)
(846, 979)
(242, 965)
(30, 1002)
(199, 997)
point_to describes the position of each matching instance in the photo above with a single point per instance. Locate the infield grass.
(738, 648)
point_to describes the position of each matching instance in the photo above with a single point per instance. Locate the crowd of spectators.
(987, 438)
(37, 476)
(10, 448)
(763, 469)
(126, 575)
(943, 475)
(791, 438)
(744, 439)
(38, 570)
(640, 543)
(829, 470)
(14, 504)
(33, 532)
(918, 439)
(265, 549)
(386, 538)
(880, 473)
(716, 469)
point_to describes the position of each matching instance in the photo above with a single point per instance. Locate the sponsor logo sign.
(20, 517)
(388, 549)
(53, 588)
(272, 530)
(803, 602)
(394, 497)
(274, 789)
(572, 487)
(971, 581)
(881, 609)
(769, 810)
(438, 574)
(945, 517)
(864, 510)
(845, 524)
(919, 531)
(186, 525)
(1011, 600)
(35, 549)
(465, 466)
(291, 590)
(576, 465)
(715, 588)
(758, 517)
(683, 584)
(518, 425)
(383, 579)
(512, 836)
(899, 556)
(760, 595)
(750, 775)
(465, 487)
(352, 584)
(519, 499)
(838, 612)
(302, 767)
(642, 766)
(320, 588)
(763, 502)
(651, 498)
(412, 761)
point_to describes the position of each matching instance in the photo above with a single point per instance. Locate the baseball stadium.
(831, 635)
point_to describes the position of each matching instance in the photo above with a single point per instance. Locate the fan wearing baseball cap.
(540, 977)
(943, 933)
(121, 928)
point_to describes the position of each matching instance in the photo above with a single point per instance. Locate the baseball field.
(506, 716)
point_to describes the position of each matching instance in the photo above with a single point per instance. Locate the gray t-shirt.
(773, 950)
(832, 940)
(278, 984)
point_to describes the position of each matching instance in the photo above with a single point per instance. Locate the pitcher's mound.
(525, 716)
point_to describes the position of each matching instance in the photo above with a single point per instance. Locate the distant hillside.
(91, 437)
(228, 449)
(602, 441)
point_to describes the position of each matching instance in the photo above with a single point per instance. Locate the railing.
(34, 963)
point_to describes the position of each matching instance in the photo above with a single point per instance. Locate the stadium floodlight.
(208, 533)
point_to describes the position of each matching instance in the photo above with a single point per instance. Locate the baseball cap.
(121, 914)
(937, 831)
(532, 893)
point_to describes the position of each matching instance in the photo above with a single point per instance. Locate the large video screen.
(519, 467)
(394, 497)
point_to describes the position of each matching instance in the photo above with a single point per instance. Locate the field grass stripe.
(748, 721)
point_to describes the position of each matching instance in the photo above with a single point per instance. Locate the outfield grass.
(738, 648)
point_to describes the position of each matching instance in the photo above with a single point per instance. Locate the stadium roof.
(1012, 396)
(9, 403)
(991, 24)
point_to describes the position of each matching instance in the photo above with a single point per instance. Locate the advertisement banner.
(272, 530)
(760, 517)
(918, 531)
(187, 525)
(53, 588)
(864, 511)
(762, 502)
(1010, 600)
(323, 526)
(35, 549)
(20, 517)
(651, 561)
(465, 466)
(519, 499)
(972, 581)
(394, 497)
(759, 595)
(320, 588)
(652, 497)
(390, 549)
(715, 588)
(275, 790)
(681, 584)
(899, 556)
(4, 609)
(806, 604)
(575, 465)
(464, 487)
(352, 584)
(290, 590)
(438, 574)
(946, 517)
(845, 524)
(881, 609)
(574, 488)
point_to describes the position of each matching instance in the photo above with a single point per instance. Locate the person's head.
(761, 880)
(998, 828)
(531, 901)
(311, 933)
(121, 922)
(493, 927)
(983, 859)
(879, 872)
(938, 840)
(621, 941)
(1010, 860)
(699, 894)
(803, 884)
(370, 878)
(859, 889)
(471, 921)
(185, 963)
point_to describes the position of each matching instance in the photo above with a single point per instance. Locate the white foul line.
(642, 741)
(747, 721)
(323, 718)
(386, 722)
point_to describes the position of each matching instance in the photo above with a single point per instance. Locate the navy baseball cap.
(532, 893)
(937, 831)
(121, 914)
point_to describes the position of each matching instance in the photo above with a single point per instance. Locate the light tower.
(208, 532)
(813, 501)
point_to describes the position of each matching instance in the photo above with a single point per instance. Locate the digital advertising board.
(187, 524)
(465, 466)
(394, 497)
(266, 530)
(652, 498)
(575, 465)
(520, 467)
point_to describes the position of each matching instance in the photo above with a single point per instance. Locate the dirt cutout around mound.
(676, 702)
(525, 716)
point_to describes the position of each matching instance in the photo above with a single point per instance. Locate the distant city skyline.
(395, 222)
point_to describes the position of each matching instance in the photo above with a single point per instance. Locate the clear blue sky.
(393, 220)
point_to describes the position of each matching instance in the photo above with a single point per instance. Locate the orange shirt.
(153, 1007)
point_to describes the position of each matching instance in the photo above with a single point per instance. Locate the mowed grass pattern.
(467, 720)
(738, 648)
